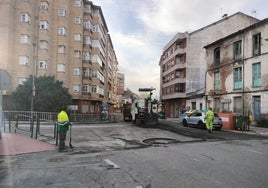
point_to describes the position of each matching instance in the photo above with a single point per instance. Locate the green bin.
(241, 123)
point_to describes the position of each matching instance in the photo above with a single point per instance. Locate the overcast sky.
(140, 29)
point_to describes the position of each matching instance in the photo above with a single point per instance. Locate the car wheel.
(184, 122)
(201, 125)
(218, 128)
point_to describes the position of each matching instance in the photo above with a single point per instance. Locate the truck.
(127, 112)
(144, 110)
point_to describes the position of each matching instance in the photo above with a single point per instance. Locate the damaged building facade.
(237, 72)
(183, 64)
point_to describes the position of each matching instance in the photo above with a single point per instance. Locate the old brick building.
(237, 74)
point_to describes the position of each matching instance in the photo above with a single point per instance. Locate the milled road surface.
(122, 155)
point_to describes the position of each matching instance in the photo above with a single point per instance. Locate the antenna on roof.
(254, 13)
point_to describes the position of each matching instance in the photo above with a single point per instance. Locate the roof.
(224, 19)
(258, 24)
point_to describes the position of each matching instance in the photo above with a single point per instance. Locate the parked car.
(198, 119)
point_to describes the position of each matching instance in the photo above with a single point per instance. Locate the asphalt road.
(121, 155)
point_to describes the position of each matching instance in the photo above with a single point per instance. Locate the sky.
(140, 29)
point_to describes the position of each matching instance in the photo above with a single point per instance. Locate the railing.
(44, 123)
(52, 116)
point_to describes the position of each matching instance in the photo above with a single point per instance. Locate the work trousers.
(62, 138)
(209, 124)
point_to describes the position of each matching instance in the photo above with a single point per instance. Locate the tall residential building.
(183, 64)
(67, 39)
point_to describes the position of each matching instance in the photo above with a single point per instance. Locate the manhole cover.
(160, 141)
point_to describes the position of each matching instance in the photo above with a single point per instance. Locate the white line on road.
(254, 151)
(111, 163)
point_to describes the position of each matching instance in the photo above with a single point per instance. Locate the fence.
(31, 123)
(52, 116)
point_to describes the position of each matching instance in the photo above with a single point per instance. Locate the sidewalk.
(14, 144)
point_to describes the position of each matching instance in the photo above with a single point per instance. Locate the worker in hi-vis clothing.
(62, 127)
(209, 119)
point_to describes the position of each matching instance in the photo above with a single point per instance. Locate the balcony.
(174, 81)
(179, 65)
(179, 51)
(174, 96)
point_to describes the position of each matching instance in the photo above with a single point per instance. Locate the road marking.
(111, 164)
(254, 151)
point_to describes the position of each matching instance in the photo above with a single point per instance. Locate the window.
(256, 44)
(76, 71)
(61, 12)
(23, 60)
(24, 39)
(77, 3)
(86, 56)
(238, 78)
(237, 48)
(256, 74)
(87, 73)
(87, 25)
(43, 5)
(217, 56)
(94, 89)
(217, 81)
(77, 37)
(95, 28)
(179, 87)
(42, 64)
(61, 49)
(86, 88)
(76, 88)
(77, 54)
(43, 44)
(77, 20)
(87, 9)
(87, 42)
(43, 25)
(60, 68)
(25, 18)
(61, 31)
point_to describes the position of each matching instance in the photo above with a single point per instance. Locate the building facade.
(183, 64)
(120, 84)
(67, 39)
(237, 76)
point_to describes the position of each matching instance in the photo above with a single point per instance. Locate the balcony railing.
(174, 95)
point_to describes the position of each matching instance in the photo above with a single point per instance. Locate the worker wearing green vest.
(209, 120)
(63, 124)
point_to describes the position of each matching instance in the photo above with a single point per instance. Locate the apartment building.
(120, 84)
(67, 39)
(237, 78)
(183, 64)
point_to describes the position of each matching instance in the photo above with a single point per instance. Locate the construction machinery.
(144, 110)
